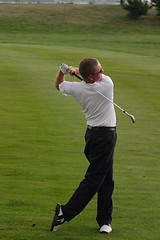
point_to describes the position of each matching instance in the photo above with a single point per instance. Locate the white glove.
(63, 68)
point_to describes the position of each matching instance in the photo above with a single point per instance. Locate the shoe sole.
(54, 229)
(55, 224)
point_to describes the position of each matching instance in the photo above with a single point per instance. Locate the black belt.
(102, 127)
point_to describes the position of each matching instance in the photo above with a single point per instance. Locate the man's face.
(97, 76)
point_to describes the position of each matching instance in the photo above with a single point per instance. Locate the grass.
(41, 132)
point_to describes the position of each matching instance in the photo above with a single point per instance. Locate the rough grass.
(66, 18)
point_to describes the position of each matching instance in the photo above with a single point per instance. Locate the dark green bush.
(136, 8)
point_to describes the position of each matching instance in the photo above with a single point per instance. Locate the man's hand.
(64, 68)
(72, 70)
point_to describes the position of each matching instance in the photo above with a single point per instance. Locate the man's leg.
(104, 200)
(99, 150)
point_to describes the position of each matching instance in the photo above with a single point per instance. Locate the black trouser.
(99, 150)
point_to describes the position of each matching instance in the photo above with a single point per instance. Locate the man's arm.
(61, 74)
(59, 79)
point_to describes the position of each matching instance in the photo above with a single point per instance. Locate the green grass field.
(41, 131)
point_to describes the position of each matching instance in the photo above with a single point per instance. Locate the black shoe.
(58, 218)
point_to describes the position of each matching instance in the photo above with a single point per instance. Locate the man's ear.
(91, 79)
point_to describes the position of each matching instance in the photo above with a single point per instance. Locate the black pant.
(99, 150)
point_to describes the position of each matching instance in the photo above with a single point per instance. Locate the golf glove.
(63, 68)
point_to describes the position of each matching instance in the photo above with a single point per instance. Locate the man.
(100, 138)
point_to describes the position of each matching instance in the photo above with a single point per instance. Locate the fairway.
(42, 131)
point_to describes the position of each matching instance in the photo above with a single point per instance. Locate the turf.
(41, 131)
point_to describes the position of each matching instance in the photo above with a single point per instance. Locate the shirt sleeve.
(68, 88)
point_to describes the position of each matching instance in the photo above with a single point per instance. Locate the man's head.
(91, 70)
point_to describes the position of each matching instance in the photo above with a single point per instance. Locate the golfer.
(100, 138)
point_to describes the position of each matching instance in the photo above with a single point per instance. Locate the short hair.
(87, 67)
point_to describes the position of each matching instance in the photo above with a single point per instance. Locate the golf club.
(129, 115)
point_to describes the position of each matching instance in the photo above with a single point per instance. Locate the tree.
(136, 8)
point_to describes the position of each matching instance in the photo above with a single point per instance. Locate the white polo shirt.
(98, 110)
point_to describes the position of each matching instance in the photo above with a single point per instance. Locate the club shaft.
(110, 101)
(74, 74)
(103, 95)
(129, 115)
